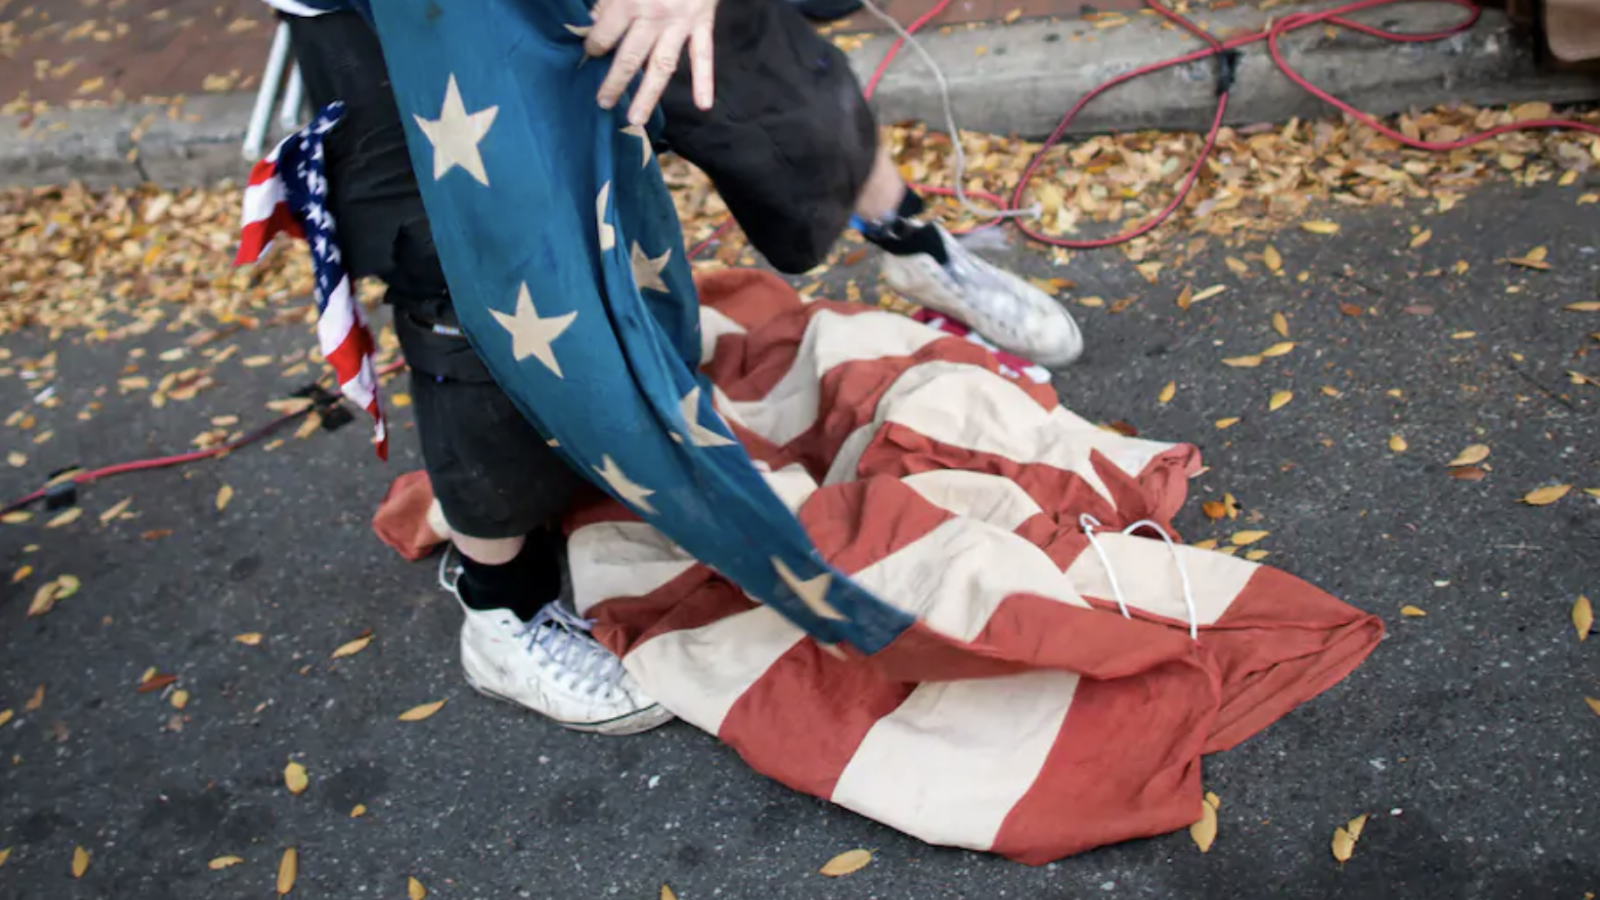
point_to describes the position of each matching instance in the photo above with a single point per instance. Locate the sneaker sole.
(651, 717)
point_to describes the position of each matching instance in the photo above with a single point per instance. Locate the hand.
(650, 34)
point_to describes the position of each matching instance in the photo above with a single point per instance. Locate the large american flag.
(1049, 697)
(288, 194)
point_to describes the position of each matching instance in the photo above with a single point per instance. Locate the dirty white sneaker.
(1005, 309)
(550, 665)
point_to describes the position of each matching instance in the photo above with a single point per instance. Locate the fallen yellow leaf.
(1272, 258)
(1207, 544)
(224, 494)
(1546, 495)
(1355, 826)
(1343, 845)
(1593, 704)
(295, 778)
(52, 593)
(1471, 456)
(1214, 800)
(6, 715)
(351, 648)
(249, 638)
(1584, 306)
(1321, 227)
(415, 890)
(1257, 555)
(1209, 292)
(118, 509)
(36, 701)
(1421, 237)
(1582, 617)
(1397, 443)
(1242, 362)
(288, 868)
(5, 855)
(1167, 393)
(223, 862)
(1204, 831)
(418, 713)
(667, 894)
(66, 517)
(179, 698)
(80, 862)
(1232, 503)
(1279, 400)
(1280, 324)
(1186, 296)
(1227, 423)
(1415, 612)
(400, 401)
(21, 574)
(1246, 538)
(357, 811)
(847, 862)
(1279, 349)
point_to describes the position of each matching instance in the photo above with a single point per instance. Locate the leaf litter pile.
(105, 267)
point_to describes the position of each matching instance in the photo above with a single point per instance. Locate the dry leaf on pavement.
(414, 889)
(1470, 456)
(351, 648)
(65, 517)
(1204, 831)
(1242, 362)
(418, 713)
(1593, 704)
(223, 862)
(1227, 423)
(1582, 617)
(1279, 400)
(1321, 227)
(1546, 495)
(1343, 845)
(1278, 349)
(1167, 393)
(80, 862)
(249, 638)
(1280, 324)
(1246, 538)
(667, 894)
(1415, 612)
(847, 862)
(52, 593)
(1397, 443)
(357, 811)
(295, 778)
(288, 868)
(224, 494)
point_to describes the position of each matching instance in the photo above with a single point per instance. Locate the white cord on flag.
(1034, 211)
(1090, 523)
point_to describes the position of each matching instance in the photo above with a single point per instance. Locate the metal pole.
(261, 115)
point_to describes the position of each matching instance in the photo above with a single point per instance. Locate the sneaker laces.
(1090, 523)
(566, 639)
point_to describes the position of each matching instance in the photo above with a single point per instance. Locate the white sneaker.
(1005, 309)
(550, 665)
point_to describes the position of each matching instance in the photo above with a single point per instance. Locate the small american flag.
(287, 193)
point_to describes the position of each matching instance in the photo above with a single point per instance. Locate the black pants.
(789, 144)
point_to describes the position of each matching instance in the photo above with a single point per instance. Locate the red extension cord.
(1272, 34)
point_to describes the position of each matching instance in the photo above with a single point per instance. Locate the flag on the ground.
(1023, 713)
(288, 194)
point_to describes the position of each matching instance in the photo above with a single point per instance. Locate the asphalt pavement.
(1465, 737)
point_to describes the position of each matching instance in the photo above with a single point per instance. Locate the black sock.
(903, 234)
(523, 585)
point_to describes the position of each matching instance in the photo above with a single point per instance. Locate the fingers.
(700, 68)
(611, 20)
(663, 62)
(630, 57)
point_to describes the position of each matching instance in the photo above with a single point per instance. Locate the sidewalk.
(163, 91)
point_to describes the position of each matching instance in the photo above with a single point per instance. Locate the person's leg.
(501, 489)
(792, 147)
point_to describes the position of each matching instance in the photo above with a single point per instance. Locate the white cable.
(1089, 523)
(1034, 211)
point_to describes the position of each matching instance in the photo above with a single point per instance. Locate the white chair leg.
(255, 138)
(294, 97)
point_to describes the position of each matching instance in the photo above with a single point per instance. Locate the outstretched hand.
(650, 35)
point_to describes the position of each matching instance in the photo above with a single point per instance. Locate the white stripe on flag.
(831, 340)
(949, 763)
(713, 325)
(977, 495)
(953, 577)
(621, 559)
(700, 673)
(1149, 577)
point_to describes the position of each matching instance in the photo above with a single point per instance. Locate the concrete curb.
(1026, 76)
